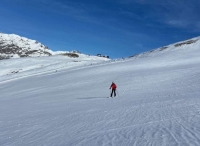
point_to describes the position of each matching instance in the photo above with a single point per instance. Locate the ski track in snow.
(157, 104)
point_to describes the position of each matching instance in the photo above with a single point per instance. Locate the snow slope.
(158, 102)
(24, 67)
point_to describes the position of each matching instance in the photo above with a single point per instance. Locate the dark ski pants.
(113, 91)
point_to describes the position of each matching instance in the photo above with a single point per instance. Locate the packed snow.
(67, 104)
(24, 67)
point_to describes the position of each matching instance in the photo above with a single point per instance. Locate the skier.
(113, 86)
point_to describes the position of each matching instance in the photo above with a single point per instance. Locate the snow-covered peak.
(15, 46)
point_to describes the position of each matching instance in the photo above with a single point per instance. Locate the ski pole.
(110, 92)
(117, 92)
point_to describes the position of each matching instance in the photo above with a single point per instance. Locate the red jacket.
(113, 86)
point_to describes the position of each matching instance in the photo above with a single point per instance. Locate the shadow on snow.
(92, 98)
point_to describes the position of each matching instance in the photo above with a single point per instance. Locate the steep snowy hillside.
(157, 103)
(193, 43)
(14, 46)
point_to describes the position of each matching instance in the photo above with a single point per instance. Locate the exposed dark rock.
(185, 43)
(74, 55)
(163, 48)
(10, 47)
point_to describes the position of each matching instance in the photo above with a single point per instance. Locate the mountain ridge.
(181, 44)
(15, 46)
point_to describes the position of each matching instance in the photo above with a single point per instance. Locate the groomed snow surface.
(157, 103)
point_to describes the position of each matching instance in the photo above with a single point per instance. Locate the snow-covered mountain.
(15, 46)
(193, 43)
(65, 103)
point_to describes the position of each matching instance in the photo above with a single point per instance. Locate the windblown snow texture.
(158, 105)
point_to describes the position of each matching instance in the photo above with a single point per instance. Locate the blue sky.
(118, 28)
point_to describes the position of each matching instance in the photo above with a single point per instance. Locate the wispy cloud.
(65, 8)
(176, 13)
(178, 23)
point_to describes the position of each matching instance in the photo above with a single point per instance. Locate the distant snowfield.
(23, 67)
(158, 101)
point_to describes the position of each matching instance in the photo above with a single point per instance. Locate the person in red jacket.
(113, 86)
